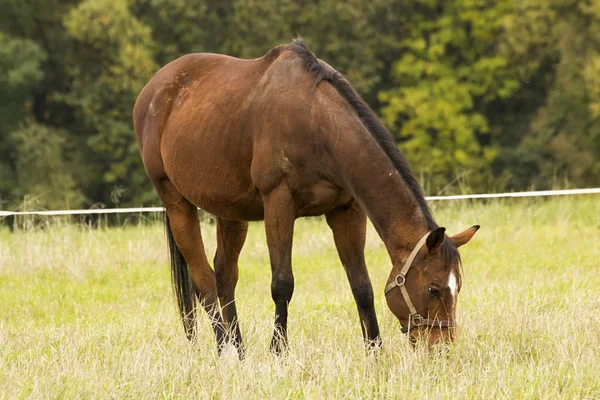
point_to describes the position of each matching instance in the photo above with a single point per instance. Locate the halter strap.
(400, 279)
(414, 319)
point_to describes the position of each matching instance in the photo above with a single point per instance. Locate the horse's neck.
(388, 201)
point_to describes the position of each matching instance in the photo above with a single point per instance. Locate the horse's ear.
(435, 240)
(464, 237)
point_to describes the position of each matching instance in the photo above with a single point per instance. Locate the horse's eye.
(434, 292)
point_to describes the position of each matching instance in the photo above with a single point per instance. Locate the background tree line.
(485, 95)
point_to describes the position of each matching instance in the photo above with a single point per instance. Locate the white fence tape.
(85, 212)
(429, 198)
(516, 194)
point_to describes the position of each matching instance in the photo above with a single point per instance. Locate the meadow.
(89, 313)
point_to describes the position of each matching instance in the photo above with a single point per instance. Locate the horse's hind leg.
(183, 223)
(349, 232)
(231, 236)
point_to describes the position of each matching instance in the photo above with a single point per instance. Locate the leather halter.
(415, 319)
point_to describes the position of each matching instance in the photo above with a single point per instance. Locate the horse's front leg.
(279, 225)
(349, 231)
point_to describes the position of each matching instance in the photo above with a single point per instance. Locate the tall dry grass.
(88, 313)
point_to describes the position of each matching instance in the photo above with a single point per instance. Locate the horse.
(277, 138)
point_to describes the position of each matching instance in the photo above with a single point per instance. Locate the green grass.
(89, 313)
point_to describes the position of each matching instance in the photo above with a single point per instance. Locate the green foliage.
(449, 67)
(185, 26)
(567, 128)
(489, 95)
(20, 72)
(20, 64)
(111, 64)
(42, 167)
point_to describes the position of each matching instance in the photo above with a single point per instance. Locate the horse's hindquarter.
(205, 146)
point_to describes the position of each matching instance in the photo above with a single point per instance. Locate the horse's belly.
(245, 207)
(224, 195)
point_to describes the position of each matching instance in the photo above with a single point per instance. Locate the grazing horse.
(277, 138)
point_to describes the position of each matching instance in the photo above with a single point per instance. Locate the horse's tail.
(182, 284)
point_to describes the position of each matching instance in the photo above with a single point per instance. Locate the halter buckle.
(416, 320)
(400, 280)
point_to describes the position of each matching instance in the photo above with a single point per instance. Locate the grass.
(88, 313)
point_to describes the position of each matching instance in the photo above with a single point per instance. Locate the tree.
(450, 69)
(109, 64)
(554, 121)
(42, 167)
(495, 95)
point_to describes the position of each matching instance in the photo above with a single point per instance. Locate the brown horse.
(277, 138)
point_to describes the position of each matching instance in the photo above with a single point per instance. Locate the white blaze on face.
(452, 284)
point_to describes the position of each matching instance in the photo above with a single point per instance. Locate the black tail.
(182, 284)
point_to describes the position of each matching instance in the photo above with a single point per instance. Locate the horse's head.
(422, 291)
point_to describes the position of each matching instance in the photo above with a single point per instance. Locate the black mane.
(383, 137)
